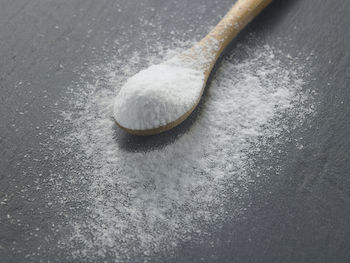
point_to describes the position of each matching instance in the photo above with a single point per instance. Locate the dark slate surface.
(300, 215)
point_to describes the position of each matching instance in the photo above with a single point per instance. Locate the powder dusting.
(134, 205)
(158, 95)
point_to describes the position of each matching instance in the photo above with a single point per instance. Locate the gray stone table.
(42, 42)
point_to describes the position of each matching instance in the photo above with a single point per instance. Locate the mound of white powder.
(133, 205)
(158, 95)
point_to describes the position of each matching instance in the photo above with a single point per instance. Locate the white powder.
(158, 95)
(132, 205)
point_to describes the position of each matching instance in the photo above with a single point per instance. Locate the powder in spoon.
(158, 95)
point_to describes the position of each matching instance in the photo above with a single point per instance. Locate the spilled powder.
(132, 205)
(158, 95)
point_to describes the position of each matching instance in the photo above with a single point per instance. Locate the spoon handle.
(212, 45)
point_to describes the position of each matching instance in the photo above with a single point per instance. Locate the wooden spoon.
(205, 53)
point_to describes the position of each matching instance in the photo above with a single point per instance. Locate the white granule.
(158, 95)
(131, 205)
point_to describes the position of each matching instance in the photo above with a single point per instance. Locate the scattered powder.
(158, 95)
(133, 205)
